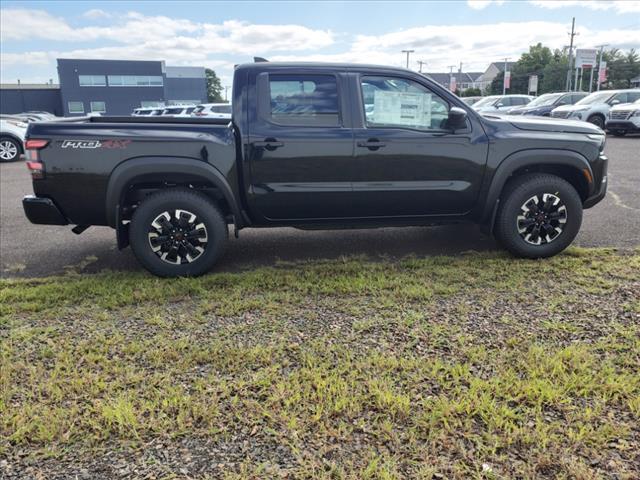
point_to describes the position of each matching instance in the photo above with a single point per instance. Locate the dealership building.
(108, 87)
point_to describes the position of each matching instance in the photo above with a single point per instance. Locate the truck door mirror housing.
(615, 102)
(457, 118)
(499, 105)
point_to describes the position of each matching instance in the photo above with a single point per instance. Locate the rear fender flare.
(523, 159)
(127, 172)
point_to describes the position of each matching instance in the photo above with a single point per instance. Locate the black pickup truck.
(316, 146)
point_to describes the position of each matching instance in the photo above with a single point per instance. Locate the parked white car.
(595, 107)
(12, 132)
(624, 118)
(213, 110)
(147, 112)
(179, 111)
(501, 103)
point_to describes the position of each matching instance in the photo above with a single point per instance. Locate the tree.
(471, 92)
(214, 87)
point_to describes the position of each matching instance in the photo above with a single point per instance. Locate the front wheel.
(539, 216)
(178, 233)
(597, 120)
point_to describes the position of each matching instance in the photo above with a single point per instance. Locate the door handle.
(372, 144)
(269, 144)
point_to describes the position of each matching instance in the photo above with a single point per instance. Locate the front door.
(408, 162)
(300, 148)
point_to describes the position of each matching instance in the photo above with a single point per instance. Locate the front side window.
(397, 102)
(76, 107)
(620, 97)
(309, 100)
(98, 107)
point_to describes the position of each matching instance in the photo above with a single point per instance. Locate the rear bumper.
(626, 125)
(602, 188)
(42, 211)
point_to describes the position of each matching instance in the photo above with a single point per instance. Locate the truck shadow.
(258, 247)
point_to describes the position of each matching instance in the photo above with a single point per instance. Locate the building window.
(76, 107)
(92, 80)
(151, 104)
(99, 107)
(135, 81)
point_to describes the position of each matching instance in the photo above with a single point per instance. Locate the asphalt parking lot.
(39, 250)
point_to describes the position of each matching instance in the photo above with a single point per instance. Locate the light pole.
(408, 52)
(225, 93)
(421, 63)
(573, 34)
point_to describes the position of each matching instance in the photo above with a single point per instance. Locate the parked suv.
(501, 103)
(624, 118)
(541, 106)
(12, 133)
(595, 107)
(213, 110)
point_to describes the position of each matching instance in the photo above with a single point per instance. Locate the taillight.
(36, 144)
(35, 166)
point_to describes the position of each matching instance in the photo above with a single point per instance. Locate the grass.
(477, 366)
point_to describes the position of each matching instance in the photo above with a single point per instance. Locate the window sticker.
(401, 108)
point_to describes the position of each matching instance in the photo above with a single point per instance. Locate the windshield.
(598, 97)
(546, 99)
(486, 101)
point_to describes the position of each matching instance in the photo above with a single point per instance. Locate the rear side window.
(307, 100)
(633, 96)
(221, 109)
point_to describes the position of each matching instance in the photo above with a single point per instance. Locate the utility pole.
(599, 66)
(420, 63)
(573, 34)
(504, 78)
(408, 52)
(225, 93)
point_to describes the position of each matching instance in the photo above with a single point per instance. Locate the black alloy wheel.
(542, 219)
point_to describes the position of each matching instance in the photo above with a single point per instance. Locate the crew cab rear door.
(408, 163)
(300, 148)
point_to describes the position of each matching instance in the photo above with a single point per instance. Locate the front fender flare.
(522, 159)
(128, 171)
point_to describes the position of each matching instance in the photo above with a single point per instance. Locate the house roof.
(464, 77)
(500, 65)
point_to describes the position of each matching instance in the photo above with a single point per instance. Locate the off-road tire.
(513, 213)
(176, 202)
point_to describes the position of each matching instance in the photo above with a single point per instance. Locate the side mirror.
(457, 118)
(500, 105)
(615, 102)
(560, 103)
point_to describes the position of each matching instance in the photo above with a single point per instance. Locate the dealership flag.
(452, 84)
(507, 79)
(602, 72)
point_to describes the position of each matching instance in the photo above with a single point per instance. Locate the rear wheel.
(9, 149)
(597, 120)
(177, 233)
(539, 216)
(618, 133)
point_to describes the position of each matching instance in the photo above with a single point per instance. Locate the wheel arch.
(568, 165)
(153, 173)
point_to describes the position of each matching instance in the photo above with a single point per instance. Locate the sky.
(219, 35)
